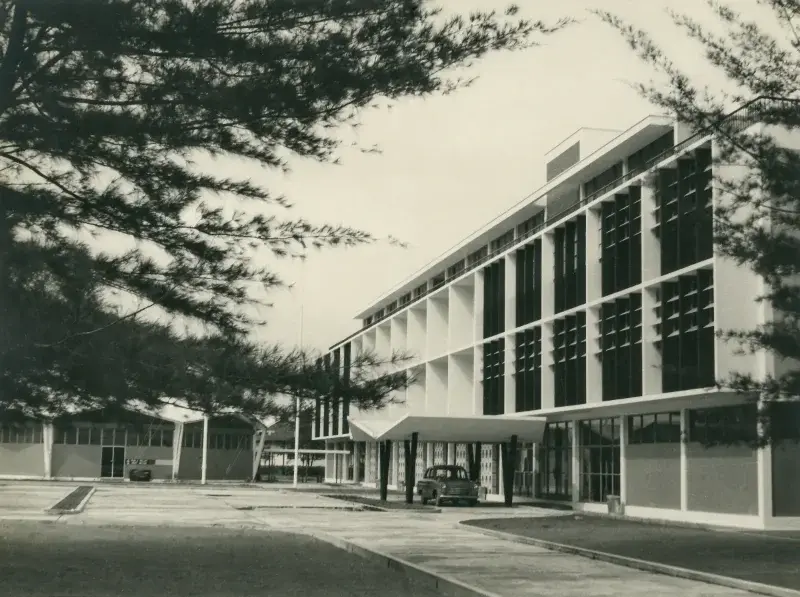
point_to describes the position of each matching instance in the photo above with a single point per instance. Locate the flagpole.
(297, 398)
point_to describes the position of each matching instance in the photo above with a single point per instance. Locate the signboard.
(139, 461)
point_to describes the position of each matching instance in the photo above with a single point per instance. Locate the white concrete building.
(593, 305)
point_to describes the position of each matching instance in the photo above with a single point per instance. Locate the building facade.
(99, 445)
(595, 304)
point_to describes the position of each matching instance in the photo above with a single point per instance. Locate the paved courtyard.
(433, 541)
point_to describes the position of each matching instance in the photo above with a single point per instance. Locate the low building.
(105, 445)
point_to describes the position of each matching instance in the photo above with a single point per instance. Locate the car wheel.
(473, 503)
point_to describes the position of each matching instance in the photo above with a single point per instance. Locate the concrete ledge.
(77, 509)
(644, 565)
(417, 575)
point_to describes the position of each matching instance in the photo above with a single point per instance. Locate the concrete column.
(203, 465)
(594, 369)
(451, 453)
(548, 273)
(764, 460)
(395, 456)
(356, 460)
(623, 459)
(651, 357)
(684, 460)
(509, 385)
(548, 378)
(594, 271)
(47, 444)
(651, 246)
(477, 310)
(510, 291)
(177, 449)
(576, 463)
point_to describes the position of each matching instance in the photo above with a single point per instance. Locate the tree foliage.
(109, 108)
(757, 217)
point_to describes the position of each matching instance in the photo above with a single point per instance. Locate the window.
(529, 283)
(501, 242)
(570, 265)
(554, 479)
(569, 359)
(166, 438)
(600, 459)
(437, 280)
(420, 290)
(456, 269)
(494, 299)
(528, 375)
(684, 212)
(602, 182)
(493, 375)
(660, 428)
(621, 254)
(686, 331)
(84, 435)
(650, 153)
(531, 225)
(477, 256)
(621, 347)
(21, 434)
(730, 424)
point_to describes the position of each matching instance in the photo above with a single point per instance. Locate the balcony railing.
(738, 120)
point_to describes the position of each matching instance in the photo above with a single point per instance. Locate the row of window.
(109, 436)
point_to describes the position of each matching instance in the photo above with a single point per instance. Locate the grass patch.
(771, 559)
(72, 500)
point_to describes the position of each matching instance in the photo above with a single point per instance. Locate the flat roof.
(451, 429)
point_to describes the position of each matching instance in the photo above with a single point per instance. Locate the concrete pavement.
(434, 542)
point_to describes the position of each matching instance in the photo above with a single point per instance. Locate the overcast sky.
(450, 164)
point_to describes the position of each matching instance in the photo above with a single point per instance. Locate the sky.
(450, 164)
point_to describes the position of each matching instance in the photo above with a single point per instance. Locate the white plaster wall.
(461, 325)
(460, 384)
(436, 387)
(437, 315)
(417, 333)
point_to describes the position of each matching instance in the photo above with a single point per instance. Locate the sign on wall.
(139, 461)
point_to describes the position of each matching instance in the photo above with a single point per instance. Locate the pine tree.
(757, 221)
(106, 106)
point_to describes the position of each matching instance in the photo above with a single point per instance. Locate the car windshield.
(451, 474)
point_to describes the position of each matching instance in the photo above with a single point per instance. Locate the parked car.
(447, 483)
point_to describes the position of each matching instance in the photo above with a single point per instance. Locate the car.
(447, 483)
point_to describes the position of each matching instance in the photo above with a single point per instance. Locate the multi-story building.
(594, 305)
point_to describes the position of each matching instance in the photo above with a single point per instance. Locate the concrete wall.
(654, 475)
(217, 462)
(158, 471)
(76, 461)
(22, 459)
(786, 479)
(722, 479)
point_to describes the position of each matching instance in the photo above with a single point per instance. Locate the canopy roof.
(452, 429)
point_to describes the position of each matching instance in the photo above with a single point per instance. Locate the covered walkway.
(471, 430)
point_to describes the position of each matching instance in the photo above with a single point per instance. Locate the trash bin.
(615, 505)
(140, 474)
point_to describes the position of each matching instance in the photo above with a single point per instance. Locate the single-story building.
(108, 445)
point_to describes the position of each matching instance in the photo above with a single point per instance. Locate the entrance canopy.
(450, 429)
